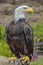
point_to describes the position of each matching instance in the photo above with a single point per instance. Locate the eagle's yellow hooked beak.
(30, 10)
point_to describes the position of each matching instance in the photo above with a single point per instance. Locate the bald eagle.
(19, 33)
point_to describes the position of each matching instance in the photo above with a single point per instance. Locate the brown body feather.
(20, 38)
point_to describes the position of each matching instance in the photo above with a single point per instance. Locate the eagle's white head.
(20, 12)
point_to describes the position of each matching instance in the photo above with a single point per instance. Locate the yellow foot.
(12, 59)
(26, 59)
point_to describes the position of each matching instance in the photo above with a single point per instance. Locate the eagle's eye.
(25, 8)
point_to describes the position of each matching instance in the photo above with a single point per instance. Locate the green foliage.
(4, 48)
(2, 32)
(38, 31)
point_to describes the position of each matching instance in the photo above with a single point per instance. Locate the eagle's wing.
(28, 33)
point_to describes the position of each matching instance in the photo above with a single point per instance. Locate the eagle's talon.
(25, 59)
(12, 59)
